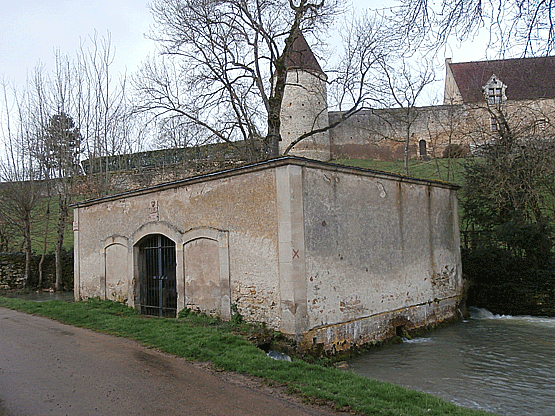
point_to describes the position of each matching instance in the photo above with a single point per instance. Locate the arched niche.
(115, 284)
(206, 271)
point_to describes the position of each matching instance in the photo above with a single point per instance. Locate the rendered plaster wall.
(332, 255)
(380, 254)
(229, 221)
(304, 108)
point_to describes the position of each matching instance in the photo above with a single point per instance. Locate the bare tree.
(51, 114)
(20, 174)
(62, 147)
(57, 144)
(38, 95)
(101, 111)
(176, 133)
(225, 64)
(368, 42)
(525, 24)
(448, 137)
(404, 86)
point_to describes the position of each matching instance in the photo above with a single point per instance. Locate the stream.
(42, 296)
(502, 364)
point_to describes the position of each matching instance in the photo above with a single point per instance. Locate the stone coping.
(268, 164)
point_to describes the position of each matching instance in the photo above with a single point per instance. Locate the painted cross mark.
(296, 254)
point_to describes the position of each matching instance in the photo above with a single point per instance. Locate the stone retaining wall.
(12, 270)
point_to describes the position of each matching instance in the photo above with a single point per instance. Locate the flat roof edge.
(267, 164)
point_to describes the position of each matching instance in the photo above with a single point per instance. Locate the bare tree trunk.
(44, 243)
(28, 249)
(62, 217)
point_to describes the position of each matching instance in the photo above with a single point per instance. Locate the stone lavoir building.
(328, 254)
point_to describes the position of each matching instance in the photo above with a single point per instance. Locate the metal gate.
(158, 292)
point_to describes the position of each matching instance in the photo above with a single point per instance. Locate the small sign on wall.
(153, 211)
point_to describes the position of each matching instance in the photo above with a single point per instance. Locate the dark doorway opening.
(422, 148)
(158, 293)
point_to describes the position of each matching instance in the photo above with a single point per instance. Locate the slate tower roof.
(302, 57)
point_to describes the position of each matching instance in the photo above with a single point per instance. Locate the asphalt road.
(47, 368)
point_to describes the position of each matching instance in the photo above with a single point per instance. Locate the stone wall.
(12, 271)
(381, 134)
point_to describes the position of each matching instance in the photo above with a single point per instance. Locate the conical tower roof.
(302, 57)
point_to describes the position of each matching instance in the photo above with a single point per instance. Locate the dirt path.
(47, 368)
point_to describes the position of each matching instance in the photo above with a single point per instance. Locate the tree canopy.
(524, 25)
(225, 62)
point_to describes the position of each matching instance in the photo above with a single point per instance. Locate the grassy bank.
(225, 345)
(448, 170)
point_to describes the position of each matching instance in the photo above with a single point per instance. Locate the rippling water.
(42, 296)
(502, 364)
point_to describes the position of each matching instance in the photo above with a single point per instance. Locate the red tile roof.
(526, 78)
(302, 57)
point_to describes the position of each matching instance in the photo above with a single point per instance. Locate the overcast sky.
(32, 29)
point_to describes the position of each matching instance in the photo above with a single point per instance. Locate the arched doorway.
(157, 282)
(422, 148)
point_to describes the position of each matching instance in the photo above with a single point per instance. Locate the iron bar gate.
(157, 280)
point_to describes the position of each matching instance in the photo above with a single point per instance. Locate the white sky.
(32, 29)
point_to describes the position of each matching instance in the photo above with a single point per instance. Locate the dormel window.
(494, 91)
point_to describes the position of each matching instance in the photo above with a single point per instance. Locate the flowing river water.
(502, 364)
(42, 296)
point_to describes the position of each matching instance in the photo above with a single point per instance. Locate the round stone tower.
(305, 107)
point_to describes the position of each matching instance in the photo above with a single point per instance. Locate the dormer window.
(542, 124)
(494, 91)
(494, 95)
